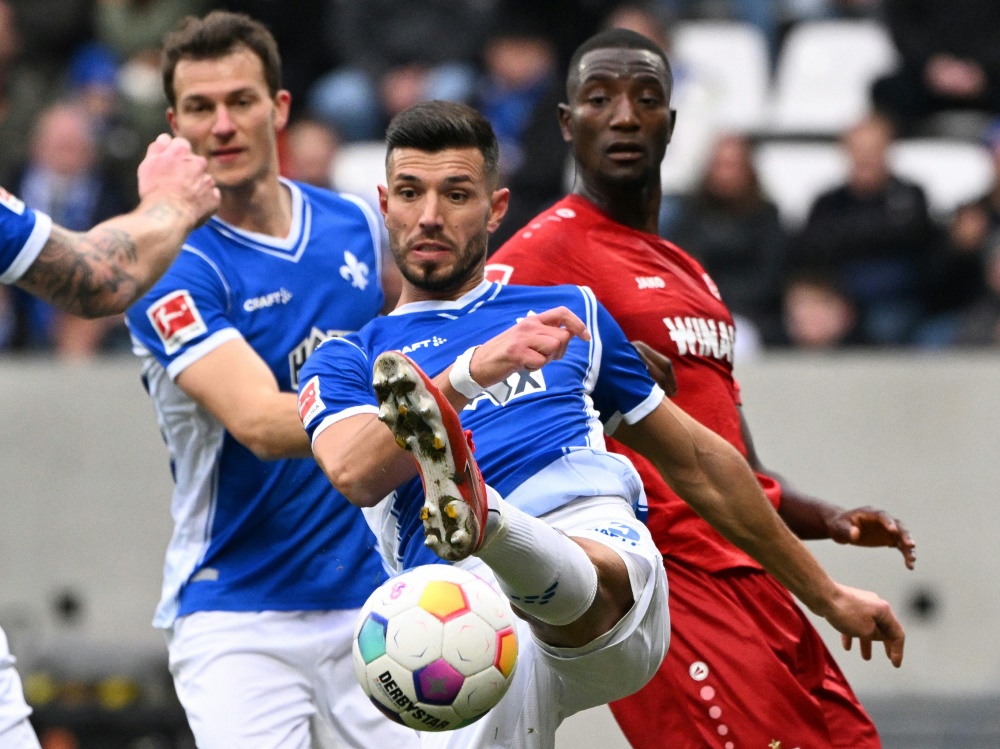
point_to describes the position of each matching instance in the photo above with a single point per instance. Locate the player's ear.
(172, 119)
(282, 106)
(383, 199)
(564, 118)
(499, 202)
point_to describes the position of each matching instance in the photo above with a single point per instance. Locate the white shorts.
(551, 684)
(15, 730)
(275, 679)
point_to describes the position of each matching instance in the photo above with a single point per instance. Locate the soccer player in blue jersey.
(538, 375)
(94, 273)
(268, 564)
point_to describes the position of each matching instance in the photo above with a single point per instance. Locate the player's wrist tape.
(460, 376)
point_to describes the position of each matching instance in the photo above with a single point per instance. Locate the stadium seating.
(359, 169)
(794, 174)
(951, 171)
(730, 59)
(824, 73)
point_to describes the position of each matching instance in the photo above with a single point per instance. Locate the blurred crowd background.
(835, 167)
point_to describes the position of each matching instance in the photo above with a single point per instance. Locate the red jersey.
(660, 295)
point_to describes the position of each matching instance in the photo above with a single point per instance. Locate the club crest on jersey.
(354, 270)
(700, 337)
(298, 355)
(310, 402)
(176, 320)
(11, 202)
(499, 273)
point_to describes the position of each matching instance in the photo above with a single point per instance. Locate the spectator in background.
(24, 92)
(518, 92)
(957, 278)
(950, 60)
(310, 148)
(128, 34)
(875, 234)
(979, 324)
(302, 30)
(92, 83)
(51, 30)
(817, 314)
(395, 55)
(732, 228)
(133, 27)
(63, 179)
(567, 23)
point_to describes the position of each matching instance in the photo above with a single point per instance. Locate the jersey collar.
(471, 299)
(291, 246)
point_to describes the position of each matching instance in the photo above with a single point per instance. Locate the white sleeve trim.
(200, 350)
(332, 419)
(37, 240)
(640, 412)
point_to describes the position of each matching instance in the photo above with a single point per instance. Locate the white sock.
(542, 571)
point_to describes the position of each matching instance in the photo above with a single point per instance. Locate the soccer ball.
(435, 647)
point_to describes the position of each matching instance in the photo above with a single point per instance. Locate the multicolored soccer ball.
(435, 647)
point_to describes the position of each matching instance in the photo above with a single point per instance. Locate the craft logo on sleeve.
(310, 403)
(176, 320)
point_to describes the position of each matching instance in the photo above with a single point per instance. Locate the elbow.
(257, 441)
(357, 487)
(260, 447)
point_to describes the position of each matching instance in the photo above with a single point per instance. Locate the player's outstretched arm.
(359, 454)
(813, 518)
(711, 476)
(104, 270)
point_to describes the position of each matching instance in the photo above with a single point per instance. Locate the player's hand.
(661, 369)
(531, 344)
(863, 615)
(871, 527)
(171, 172)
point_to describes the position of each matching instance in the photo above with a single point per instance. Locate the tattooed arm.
(102, 271)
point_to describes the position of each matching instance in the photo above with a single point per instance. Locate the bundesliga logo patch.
(310, 403)
(176, 320)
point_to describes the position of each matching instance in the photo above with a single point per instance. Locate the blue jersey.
(23, 234)
(253, 535)
(539, 435)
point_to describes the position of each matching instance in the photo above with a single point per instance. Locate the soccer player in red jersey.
(745, 666)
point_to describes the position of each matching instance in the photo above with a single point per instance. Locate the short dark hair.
(436, 125)
(613, 39)
(216, 35)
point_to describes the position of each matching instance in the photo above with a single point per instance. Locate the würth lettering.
(700, 337)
